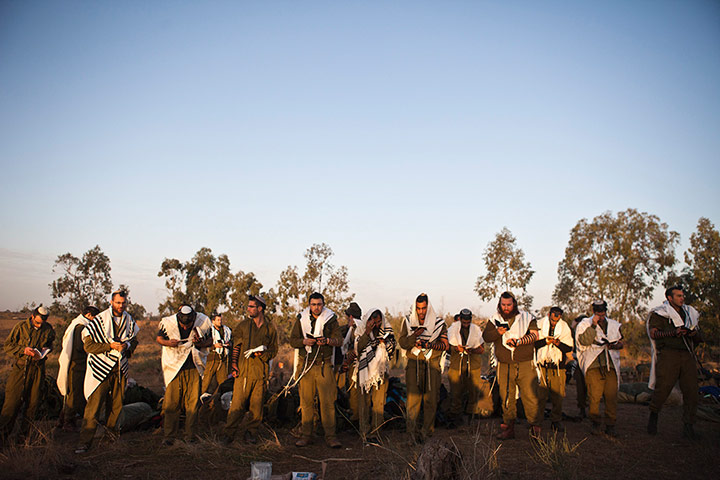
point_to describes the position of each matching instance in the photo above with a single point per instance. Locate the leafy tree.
(321, 276)
(617, 258)
(136, 310)
(203, 282)
(84, 281)
(701, 277)
(506, 268)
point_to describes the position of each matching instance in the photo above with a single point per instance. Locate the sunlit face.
(37, 321)
(253, 309)
(421, 309)
(677, 298)
(554, 318)
(465, 322)
(350, 321)
(316, 306)
(217, 321)
(601, 315)
(507, 305)
(119, 304)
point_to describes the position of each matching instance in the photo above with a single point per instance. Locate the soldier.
(424, 336)
(184, 337)
(28, 344)
(673, 331)
(71, 374)
(345, 358)
(466, 348)
(599, 341)
(513, 334)
(109, 340)
(374, 345)
(218, 360)
(313, 337)
(554, 344)
(256, 344)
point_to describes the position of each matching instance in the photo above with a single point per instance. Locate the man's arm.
(296, 335)
(406, 340)
(587, 336)
(491, 334)
(13, 345)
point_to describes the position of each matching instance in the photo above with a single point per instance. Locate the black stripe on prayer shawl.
(121, 327)
(97, 332)
(389, 342)
(100, 365)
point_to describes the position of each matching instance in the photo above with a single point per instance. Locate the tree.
(203, 282)
(701, 277)
(135, 310)
(84, 281)
(616, 258)
(506, 268)
(320, 275)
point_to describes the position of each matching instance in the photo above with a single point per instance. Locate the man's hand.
(351, 356)
(322, 340)
(309, 341)
(172, 343)
(681, 332)
(30, 352)
(692, 333)
(218, 345)
(512, 342)
(501, 330)
(234, 372)
(616, 345)
(117, 346)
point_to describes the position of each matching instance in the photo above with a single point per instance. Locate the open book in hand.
(41, 353)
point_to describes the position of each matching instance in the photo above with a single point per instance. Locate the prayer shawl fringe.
(666, 310)
(517, 330)
(373, 363)
(225, 338)
(173, 358)
(66, 353)
(550, 353)
(588, 353)
(305, 323)
(474, 338)
(99, 366)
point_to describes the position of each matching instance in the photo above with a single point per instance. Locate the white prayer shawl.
(226, 337)
(550, 353)
(433, 327)
(305, 324)
(517, 330)
(588, 353)
(349, 340)
(474, 338)
(173, 358)
(66, 353)
(372, 363)
(100, 329)
(666, 310)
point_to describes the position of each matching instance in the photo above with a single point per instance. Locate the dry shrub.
(556, 452)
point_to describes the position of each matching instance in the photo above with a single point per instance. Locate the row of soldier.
(199, 353)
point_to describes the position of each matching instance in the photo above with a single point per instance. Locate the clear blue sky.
(404, 134)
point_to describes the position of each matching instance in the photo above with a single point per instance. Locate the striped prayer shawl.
(374, 360)
(226, 337)
(100, 329)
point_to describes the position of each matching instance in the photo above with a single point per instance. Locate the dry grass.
(556, 452)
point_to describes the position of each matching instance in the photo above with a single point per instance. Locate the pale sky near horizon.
(404, 134)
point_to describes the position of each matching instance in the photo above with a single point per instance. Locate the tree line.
(621, 258)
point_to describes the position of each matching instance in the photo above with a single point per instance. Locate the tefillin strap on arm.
(527, 339)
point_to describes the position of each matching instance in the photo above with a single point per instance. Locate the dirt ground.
(633, 454)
